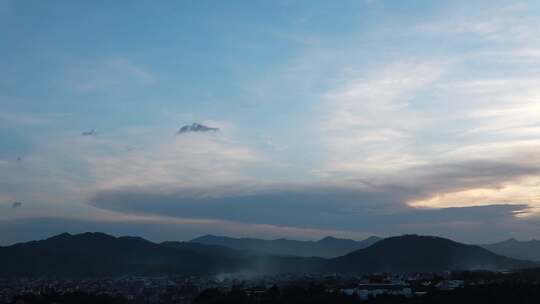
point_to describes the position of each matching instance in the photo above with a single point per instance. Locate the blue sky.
(349, 118)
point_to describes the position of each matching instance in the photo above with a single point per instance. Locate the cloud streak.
(108, 74)
(383, 206)
(312, 208)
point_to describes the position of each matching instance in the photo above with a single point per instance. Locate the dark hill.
(411, 253)
(98, 254)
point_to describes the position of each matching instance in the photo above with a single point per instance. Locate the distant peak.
(85, 236)
(373, 238)
(205, 237)
(209, 236)
(331, 240)
(64, 235)
(328, 238)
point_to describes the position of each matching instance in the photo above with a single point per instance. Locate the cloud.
(195, 127)
(416, 198)
(407, 144)
(276, 146)
(335, 208)
(180, 161)
(31, 119)
(509, 24)
(390, 115)
(68, 169)
(439, 122)
(369, 123)
(478, 183)
(89, 133)
(107, 74)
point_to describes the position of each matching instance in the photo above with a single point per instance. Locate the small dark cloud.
(19, 158)
(89, 133)
(16, 205)
(195, 127)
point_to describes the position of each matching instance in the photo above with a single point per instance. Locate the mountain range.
(98, 254)
(526, 250)
(328, 247)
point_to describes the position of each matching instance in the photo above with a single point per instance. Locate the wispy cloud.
(370, 123)
(183, 160)
(511, 23)
(31, 119)
(108, 74)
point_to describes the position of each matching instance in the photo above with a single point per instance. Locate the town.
(254, 288)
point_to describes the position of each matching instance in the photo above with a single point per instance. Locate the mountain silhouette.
(327, 247)
(527, 250)
(413, 253)
(98, 254)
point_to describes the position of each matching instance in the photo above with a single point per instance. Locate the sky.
(342, 118)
